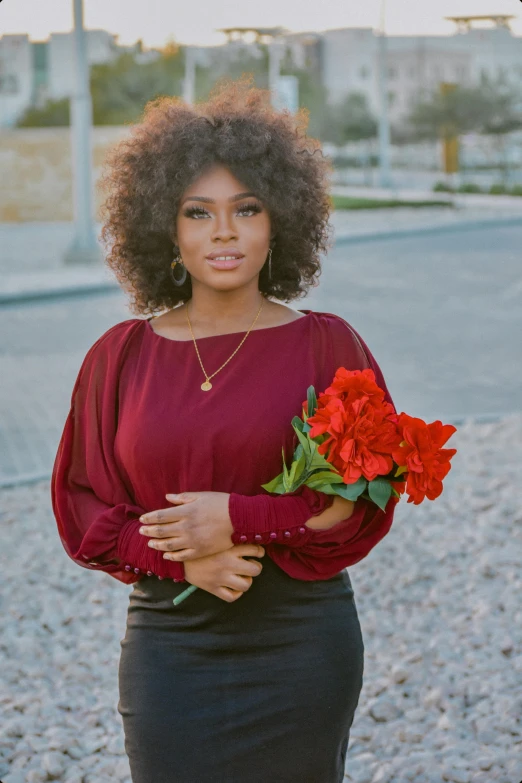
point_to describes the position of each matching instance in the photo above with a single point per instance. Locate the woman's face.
(216, 213)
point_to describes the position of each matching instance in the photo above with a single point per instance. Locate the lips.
(230, 264)
(231, 251)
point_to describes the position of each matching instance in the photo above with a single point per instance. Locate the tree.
(53, 114)
(350, 120)
(121, 89)
(504, 116)
(489, 109)
(311, 90)
(232, 64)
(462, 110)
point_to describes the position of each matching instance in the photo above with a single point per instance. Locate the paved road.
(442, 315)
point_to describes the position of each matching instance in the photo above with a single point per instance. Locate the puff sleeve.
(300, 551)
(95, 512)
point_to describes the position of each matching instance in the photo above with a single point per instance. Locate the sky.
(197, 22)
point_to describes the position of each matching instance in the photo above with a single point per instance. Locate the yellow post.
(450, 141)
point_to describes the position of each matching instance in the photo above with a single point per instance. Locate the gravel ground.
(438, 600)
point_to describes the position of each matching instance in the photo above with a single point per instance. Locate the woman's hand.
(199, 525)
(226, 574)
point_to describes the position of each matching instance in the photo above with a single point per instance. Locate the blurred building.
(345, 59)
(101, 48)
(17, 89)
(418, 64)
(33, 72)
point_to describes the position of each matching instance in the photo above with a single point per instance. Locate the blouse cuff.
(265, 519)
(137, 556)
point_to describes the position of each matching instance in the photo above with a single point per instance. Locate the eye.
(192, 211)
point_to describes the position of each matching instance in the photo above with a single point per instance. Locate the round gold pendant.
(206, 386)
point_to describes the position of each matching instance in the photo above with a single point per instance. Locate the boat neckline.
(228, 334)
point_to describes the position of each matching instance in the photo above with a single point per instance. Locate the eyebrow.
(237, 197)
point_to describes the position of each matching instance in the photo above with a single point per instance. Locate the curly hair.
(147, 173)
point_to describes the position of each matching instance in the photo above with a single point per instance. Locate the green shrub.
(516, 190)
(469, 187)
(442, 187)
(497, 190)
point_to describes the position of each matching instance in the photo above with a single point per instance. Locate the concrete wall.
(35, 171)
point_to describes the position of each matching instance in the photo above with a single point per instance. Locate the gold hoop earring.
(178, 262)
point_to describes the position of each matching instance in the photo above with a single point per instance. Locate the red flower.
(360, 425)
(420, 451)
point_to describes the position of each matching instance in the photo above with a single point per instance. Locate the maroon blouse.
(140, 426)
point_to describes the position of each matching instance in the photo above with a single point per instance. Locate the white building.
(101, 48)
(346, 60)
(16, 77)
(418, 64)
(32, 72)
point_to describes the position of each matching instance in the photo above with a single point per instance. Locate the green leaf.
(297, 422)
(400, 470)
(291, 475)
(318, 460)
(321, 486)
(300, 463)
(351, 491)
(327, 475)
(276, 485)
(305, 442)
(311, 400)
(285, 473)
(379, 490)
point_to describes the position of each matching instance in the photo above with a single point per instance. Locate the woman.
(177, 420)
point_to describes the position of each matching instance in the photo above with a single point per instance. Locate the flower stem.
(185, 594)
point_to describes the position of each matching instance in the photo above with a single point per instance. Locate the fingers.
(164, 530)
(181, 556)
(252, 550)
(160, 516)
(249, 567)
(229, 595)
(240, 583)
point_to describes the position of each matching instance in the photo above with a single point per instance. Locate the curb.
(21, 297)
(348, 239)
(24, 478)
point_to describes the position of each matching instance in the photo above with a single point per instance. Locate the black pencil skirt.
(261, 689)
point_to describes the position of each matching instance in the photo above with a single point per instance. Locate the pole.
(84, 248)
(274, 59)
(189, 82)
(384, 121)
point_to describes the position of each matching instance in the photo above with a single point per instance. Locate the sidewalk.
(31, 265)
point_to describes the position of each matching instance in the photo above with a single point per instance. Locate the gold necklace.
(206, 385)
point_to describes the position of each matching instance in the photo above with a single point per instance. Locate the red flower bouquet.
(353, 443)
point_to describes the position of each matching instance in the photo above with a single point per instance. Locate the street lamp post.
(189, 81)
(275, 51)
(384, 120)
(84, 248)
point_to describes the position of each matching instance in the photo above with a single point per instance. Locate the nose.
(224, 228)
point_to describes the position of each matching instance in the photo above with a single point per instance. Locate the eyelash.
(200, 211)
